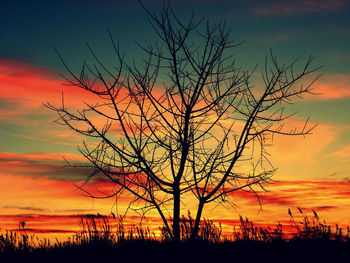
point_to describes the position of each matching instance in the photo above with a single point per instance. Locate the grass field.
(99, 240)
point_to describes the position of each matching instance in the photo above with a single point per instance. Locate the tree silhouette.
(185, 122)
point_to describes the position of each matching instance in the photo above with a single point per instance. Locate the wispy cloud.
(38, 156)
(266, 198)
(30, 209)
(332, 86)
(292, 149)
(26, 208)
(298, 7)
(317, 195)
(29, 86)
(325, 208)
(342, 153)
(47, 165)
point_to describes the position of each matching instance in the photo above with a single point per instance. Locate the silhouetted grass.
(208, 231)
(101, 238)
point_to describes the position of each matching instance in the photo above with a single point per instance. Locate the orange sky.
(313, 171)
(36, 186)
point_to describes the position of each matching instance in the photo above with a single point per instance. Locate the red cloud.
(26, 87)
(317, 195)
(31, 85)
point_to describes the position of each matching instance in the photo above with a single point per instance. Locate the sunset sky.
(35, 185)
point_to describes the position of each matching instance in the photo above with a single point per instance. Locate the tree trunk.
(176, 215)
(197, 221)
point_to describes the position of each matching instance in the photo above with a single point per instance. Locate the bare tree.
(185, 121)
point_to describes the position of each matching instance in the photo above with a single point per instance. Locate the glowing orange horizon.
(37, 188)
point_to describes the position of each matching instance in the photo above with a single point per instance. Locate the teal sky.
(30, 30)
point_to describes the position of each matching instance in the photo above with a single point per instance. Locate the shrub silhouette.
(249, 232)
(99, 236)
(316, 229)
(207, 231)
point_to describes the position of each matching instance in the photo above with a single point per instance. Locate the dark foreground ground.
(238, 251)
